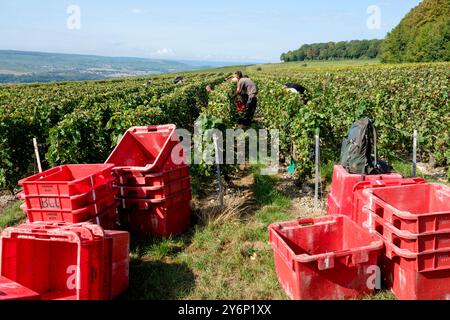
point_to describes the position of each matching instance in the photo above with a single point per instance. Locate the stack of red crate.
(63, 261)
(414, 222)
(340, 199)
(153, 181)
(72, 193)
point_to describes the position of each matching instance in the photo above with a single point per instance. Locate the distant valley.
(28, 67)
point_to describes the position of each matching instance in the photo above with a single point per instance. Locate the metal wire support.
(318, 178)
(219, 176)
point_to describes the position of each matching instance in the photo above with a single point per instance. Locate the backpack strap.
(375, 138)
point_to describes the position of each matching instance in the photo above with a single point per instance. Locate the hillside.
(422, 36)
(21, 66)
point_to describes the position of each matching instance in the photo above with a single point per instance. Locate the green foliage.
(277, 108)
(90, 135)
(422, 36)
(221, 103)
(413, 97)
(16, 149)
(205, 125)
(79, 138)
(82, 122)
(355, 49)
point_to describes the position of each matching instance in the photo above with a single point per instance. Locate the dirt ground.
(238, 195)
(440, 173)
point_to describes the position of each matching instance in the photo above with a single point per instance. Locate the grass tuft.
(12, 216)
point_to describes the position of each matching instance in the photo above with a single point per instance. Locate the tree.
(423, 35)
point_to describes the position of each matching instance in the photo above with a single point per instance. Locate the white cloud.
(165, 52)
(137, 11)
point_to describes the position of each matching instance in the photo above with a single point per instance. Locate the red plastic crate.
(160, 221)
(68, 180)
(128, 179)
(429, 261)
(57, 202)
(408, 284)
(184, 196)
(108, 219)
(117, 250)
(56, 261)
(360, 201)
(421, 208)
(10, 290)
(73, 216)
(148, 150)
(158, 192)
(340, 199)
(62, 261)
(420, 262)
(324, 258)
(417, 243)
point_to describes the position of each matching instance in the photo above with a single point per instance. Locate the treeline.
(355, 49)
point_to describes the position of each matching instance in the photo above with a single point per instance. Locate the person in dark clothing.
(248, 91)
(299, 89)
(179, 80)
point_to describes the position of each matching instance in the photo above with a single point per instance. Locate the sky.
(232, 30)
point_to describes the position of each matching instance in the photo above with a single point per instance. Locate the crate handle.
(306, 222)
(326, 263)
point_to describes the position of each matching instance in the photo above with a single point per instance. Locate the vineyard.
(81, 122)
(400, 99)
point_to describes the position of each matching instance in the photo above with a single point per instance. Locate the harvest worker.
(298, 89)
(246, 88)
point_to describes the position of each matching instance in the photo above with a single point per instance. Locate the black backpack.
(356, 151)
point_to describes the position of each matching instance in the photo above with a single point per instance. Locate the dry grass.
(233, 210)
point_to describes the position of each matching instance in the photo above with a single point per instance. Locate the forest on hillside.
(423, 35)
(355, 49)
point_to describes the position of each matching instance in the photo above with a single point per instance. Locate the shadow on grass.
(265, 192)
(156, 280)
